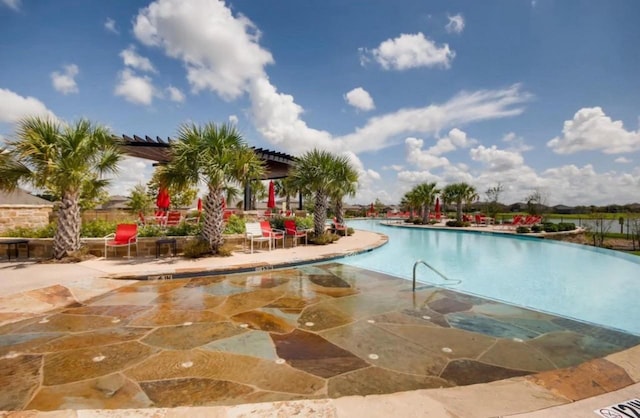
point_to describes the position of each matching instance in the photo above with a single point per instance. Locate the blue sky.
(539, 95)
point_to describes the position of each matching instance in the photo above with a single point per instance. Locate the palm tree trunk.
(67, 236)
(213, 226)
(320, 213)
(339, 211)
(459, 210)
(425, 214)
(288, 200)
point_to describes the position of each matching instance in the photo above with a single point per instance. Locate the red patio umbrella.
(163, 201)
(199, 205)
(437, 208)
(271, 203)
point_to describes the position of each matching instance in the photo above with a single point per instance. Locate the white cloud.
(422, 159)
(110, 25)
(456, 24)
(227, 59)
(65, 82)
(12, 4)
(175, 94)
(411, 51)
(591, 129)
(516, 143)
(135, 89)
(220, 51)
(455, 139)
(131, 172)
(394, 167)
(138, 62)
(496, 159)
(623, 160)
(233, 119)
(14, 107)
(360, 99)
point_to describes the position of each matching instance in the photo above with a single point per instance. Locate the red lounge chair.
(290, 230)
(126, 234)
(339, 228)
(274, 234)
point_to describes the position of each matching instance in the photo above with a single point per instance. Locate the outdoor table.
(15, 243)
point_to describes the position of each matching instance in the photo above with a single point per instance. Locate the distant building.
(21, 209)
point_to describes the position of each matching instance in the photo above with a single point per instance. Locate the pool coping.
(525, 396)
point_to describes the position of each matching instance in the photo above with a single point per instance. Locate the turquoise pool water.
(592, 285)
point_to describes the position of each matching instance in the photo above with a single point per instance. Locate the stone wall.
(26, 216)
(42, 248)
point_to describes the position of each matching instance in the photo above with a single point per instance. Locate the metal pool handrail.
(451, 282)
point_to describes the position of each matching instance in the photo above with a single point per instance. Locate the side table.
(171, 242)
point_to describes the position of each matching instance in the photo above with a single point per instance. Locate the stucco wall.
(27, 216)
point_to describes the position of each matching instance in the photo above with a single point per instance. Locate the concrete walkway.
(29, 289)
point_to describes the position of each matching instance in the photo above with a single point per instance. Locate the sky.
(533, 95)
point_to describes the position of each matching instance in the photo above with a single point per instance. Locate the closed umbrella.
(271, 203)
(437, 208)
(199, 205)
(163, 201)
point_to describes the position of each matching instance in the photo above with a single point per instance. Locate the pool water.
(592, 285)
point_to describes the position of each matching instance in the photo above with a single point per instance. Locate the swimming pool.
(592, 285)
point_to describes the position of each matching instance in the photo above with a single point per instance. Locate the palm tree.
(459, 193)
(426, 196)
(68, 162)
(218, 156)
(283, 188)
(321, 174)
(410, 202)
(346, 184)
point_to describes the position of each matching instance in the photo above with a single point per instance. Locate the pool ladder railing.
(449, 282)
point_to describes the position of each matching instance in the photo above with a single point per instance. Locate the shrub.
(149, 231)
(457, 224)
(196, 248)
(537, 228)
(566, 226)
(409, 220)
(21, 232)
(325, 239)
(522, 230)
(97, 228)
(350, 231)
(184, 229)
(226, 250)
(235, 225)
(417, 221)
(550, 227)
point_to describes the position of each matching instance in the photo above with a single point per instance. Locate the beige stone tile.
(495, 399)
(629, 360)
(415, 404)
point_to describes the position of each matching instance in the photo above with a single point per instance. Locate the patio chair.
(292, 231)
(173, 218)
(274, 234)
(125, 235)
(253, 232)
(339, 228)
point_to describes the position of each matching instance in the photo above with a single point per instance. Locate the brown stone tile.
(86, 363)
(447, 305)
(90, 339)
(264, 321)
(393, 351)
(108, 392)
(567, 348)
(153, 286)
(469, 372)
(516, 355)
(25, 343)
(376, 380)
(163, 317)
(292, 303)
(56, 295)
(589, 379)
(247, 301)
(262, 374)
(323, 316)
(19, 379)
(184, 337)
(629, 360)
(449, 342)
(194, 392)
(315, 355)
(122, 312)
(431, 316)
(188, 299)
(69, 323)
(7, 318)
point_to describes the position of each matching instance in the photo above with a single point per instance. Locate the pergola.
(159, 150)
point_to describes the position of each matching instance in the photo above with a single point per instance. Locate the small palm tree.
(283, 188)
(321, 174)
(426, 196)
(66, 161)
(459, 193)
(346, 184)
(218, 156)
